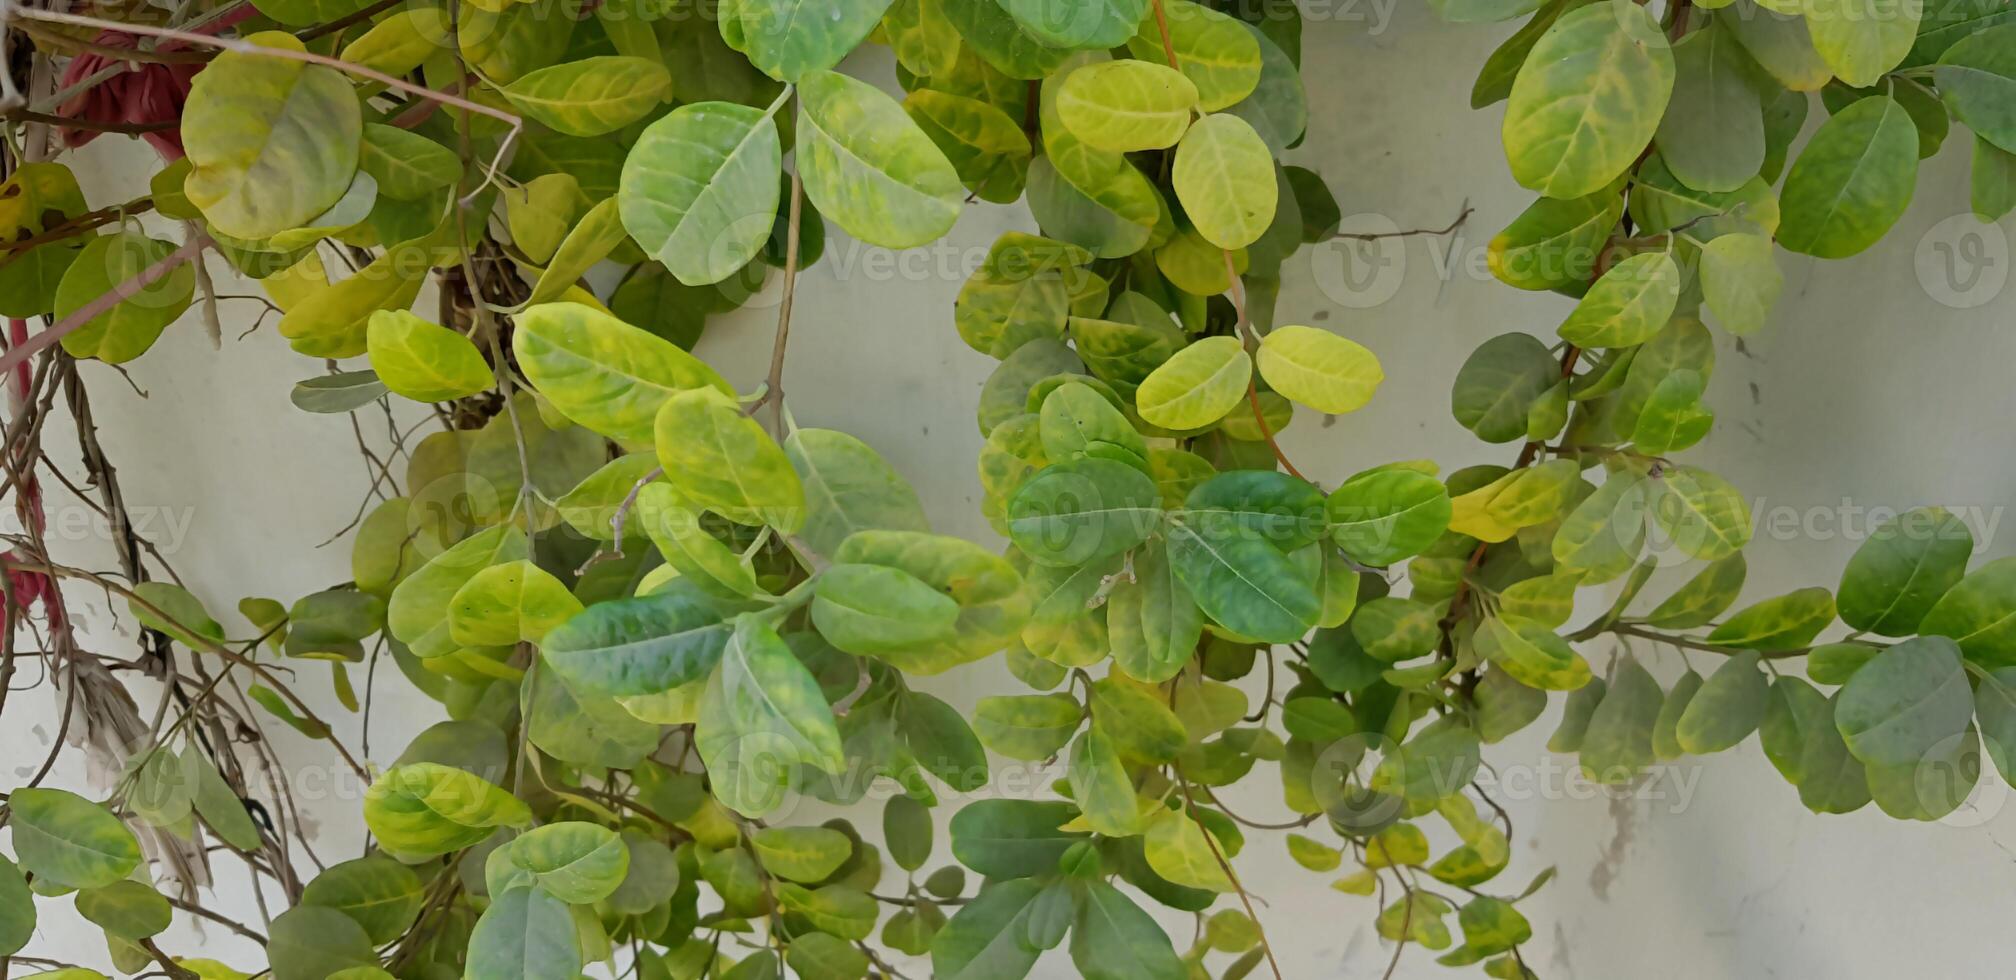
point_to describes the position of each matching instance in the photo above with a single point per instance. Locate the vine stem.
(773, 390)
(1245, 329)
(207, 644)
(1244, 899)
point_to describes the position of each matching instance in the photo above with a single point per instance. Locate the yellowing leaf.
(273, 141)
(1588, 99)
(1213, 50)
(1197, 386)
(1224, 176)
(604, 373)
(1319, 369)
(592, 96)
(722, 460)
(869, 168)
(699, 190)
(1127, 105)
(424, 361)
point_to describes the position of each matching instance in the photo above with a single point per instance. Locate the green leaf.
(1153, 622)
(1980, 613)
(1728, 707)
(807, 854)
(274, 142)
(1497, 386)
(1101, 787)
(868, 167)
(578, 863)
(1283, 510)
(790, 39)
(376, 892)
(641, 645)
(1852, 181)
(591, 96)
(17, 909)
(819, 956)
(131, 910)
(1384, 515)
(1214, 51)
(69, 841)
(1196, 386)
(1224, 179)
(424, 361)
(1439, 761)
(1628, 305)
(718, 458)
(1126, 106)
(1576, 714)
(526, 934)
(1862, 39)
(1794, 709)
(848, 488)
(1783, 622)
(1740, 281)
(1902, 570)
(1588, 99)
(1619, 739)
(1114, 939)
(1992, 181)
(1712, 136)
(1995, 710)
(1705, 596)
(1004, 838)
(406, 165)
(1082, 510)
(906, 829)
(984, 940)
(1028, 727)
(992, 604)
(1905, 703)
(603, 373)
(1139, 720)
(424, 808)
(870, 609)
(131, 325)
(1554, 244)
(1831, 779)
(699, 190)
(1243, 583)
(763, 714)
(308, 942)
(1665, 732)
(1076, 420)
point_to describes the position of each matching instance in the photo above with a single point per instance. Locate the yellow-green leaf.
(1197, 386)
(424, 361)
(1319, 369)
(1127, 105)
(273, 141)
(1224, 175)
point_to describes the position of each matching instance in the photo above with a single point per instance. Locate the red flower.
(145, 94)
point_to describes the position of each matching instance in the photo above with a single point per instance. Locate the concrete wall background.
(1880, 383)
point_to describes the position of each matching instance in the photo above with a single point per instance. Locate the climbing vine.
(658, 611)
